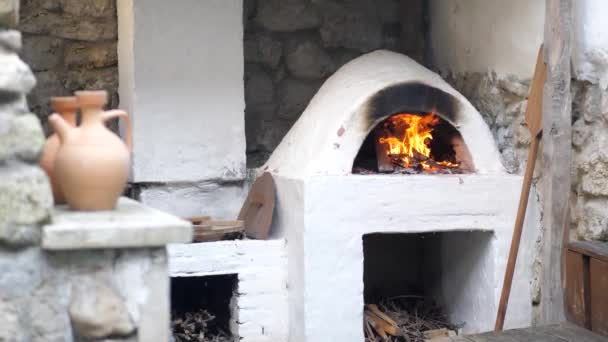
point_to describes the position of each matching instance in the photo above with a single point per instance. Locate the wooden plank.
(459, 339)
(557, 157)
(533, 115)
(577, 299)
(595, 249)
(598, 272)
(258, 209)
(492, 337)
(563, 332)
(533, 118)
(571, 333)
(530, 334)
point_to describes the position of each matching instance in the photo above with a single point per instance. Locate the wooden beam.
(557, 157)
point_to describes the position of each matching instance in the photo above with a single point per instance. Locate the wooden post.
(557, 156)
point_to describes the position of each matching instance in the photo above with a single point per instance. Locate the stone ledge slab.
(130, 225)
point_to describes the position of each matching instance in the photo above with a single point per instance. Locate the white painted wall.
(325, 223)
(261, 266)
(486, 35)
(181, 79)
(218, 200)
(590, 50)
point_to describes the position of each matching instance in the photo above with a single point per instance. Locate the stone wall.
(589, 201)
(25, 194)
(70, 45)
(292, 46)
(501, 100)
(589, 198)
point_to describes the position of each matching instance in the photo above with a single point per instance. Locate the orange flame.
(411, 135)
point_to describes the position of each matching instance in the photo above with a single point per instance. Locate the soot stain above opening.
(411, 97)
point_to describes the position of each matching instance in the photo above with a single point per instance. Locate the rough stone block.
(580, 133)
(11, 104)
(293, 97)
(106, 78)
(264, 49)
(287, 15)
(259, 92)
(15, 75)
(22, 137)
(83, 28)
(353, 24)
(594, 167)
(10, 40)
(90, 8)
(307, 60)
(90, 55)
(97, 311)
(9, 13)
(37, 21)
(11, 329)
(343, 56)
(49, 83)
(593, 219)
(389, 11)
(42, 52)
(263, 136)
(25, 200)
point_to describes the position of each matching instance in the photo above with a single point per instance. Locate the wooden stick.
(534, 123)
(519, 223)
(376, 323)
(381, 323)
(374, 308)
(370, 333)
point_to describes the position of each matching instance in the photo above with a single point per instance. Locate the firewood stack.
(196, 327)
(377, 323)
(407, 319)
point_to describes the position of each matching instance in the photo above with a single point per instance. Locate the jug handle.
(119, 113)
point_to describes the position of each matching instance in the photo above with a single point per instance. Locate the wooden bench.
(587, 285)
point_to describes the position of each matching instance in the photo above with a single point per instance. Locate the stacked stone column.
(55, 287)
(25, 195)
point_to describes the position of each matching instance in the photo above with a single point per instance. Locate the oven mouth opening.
(413, 143)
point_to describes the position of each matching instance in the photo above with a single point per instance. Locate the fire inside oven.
(411, 143)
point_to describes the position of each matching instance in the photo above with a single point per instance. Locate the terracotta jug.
(92, 163)
(66, 107)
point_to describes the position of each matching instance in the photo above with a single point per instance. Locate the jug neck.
(91, 115)
(69, 117)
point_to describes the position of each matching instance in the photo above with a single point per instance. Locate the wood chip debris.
(197, 327)
(407, 319)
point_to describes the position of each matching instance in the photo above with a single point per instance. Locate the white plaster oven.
(323, 211)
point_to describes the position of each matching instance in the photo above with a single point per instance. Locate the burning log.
(383, 157)
(402, 145)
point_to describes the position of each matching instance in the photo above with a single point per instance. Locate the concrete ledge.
(130, 225)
